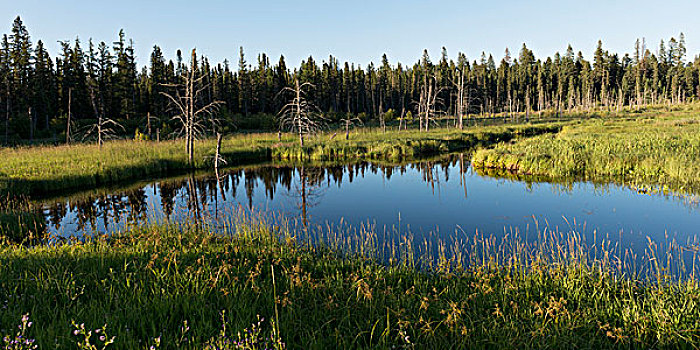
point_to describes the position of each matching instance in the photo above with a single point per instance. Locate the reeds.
(662, 150)
(355, 289)
(45, 170)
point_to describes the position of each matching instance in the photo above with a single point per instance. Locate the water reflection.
(204, 196)
(436, 199)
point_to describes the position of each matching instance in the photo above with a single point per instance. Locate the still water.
(431, 199)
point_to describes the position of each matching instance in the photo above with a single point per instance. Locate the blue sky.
(359, 31)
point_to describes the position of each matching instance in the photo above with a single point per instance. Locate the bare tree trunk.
(68, 139)
(527, 106)
(559, 106)
(148, 124)
(427, 109)
(460, 99)
(190, 115)
(31, 124)
(100, 141)
(302, 178)
(462, 171)
(510, 107)
(644, 98)
(7, 118)
(421, 106)
(217, 156)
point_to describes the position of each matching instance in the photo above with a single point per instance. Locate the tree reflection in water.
(202, 197)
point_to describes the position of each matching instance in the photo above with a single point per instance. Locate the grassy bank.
(646, 148)
(184, 287)
(42, 170)
(395, 145)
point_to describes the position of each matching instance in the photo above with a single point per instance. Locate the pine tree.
(43, 86)
(7, 83)
(124, 77)
(158, 104)
(244, 87)
(20, 58)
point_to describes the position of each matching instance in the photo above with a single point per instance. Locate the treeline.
(39, 93)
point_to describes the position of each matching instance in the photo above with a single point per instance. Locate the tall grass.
(397, 145)
(185, 286)
(46, 169)
(38, 170)
(650, 149)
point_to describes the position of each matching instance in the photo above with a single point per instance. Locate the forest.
(64, 96)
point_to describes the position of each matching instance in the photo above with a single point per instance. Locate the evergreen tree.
(244, 84)
(20, 58)
(37, 92)
(124, 77)
(43, 84)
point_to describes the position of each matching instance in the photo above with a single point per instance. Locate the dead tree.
(382, 120)
(31, 124)
(466, 101)
(428, 102)
(300, 116)
(104, 128)
(187, 101)
(402, 118)
(149, 128)
(217, 156)
(350, 122)
(309, 191)
(463, 97)
(68, 137)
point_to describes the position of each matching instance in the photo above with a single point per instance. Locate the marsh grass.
(39, 171)
(399, 145)
(170, 283)
(652, 151)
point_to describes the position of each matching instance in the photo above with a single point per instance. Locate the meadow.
(654, 150)
(185, 286)
(40, 170)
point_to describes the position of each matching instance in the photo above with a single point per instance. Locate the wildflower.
(20, 341)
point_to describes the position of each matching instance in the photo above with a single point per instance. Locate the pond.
(441, 199)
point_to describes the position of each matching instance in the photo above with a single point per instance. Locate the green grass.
(398, 145)
(652, 147)
(147, 282)
(43, 170)
(39, 170)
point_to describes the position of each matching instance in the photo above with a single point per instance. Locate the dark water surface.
(437, 199)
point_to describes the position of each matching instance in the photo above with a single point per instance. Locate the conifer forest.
(91, 81)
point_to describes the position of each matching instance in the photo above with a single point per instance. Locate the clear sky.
(359, 31)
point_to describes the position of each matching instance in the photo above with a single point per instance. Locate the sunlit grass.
(650, 148)
(170, 283)
(46, 169)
